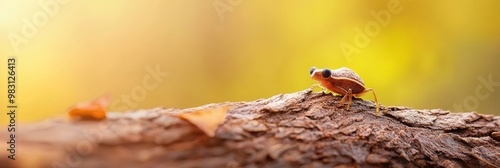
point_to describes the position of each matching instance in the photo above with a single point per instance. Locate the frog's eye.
(326, 73)
(312, 70)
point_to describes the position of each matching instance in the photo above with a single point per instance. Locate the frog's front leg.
(323, 89)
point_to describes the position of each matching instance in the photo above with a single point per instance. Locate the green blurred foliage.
(430, 55)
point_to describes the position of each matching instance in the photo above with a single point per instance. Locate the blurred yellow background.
(428, 54)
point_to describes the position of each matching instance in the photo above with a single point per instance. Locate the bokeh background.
(429, 55)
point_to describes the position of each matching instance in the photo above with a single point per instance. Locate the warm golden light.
(175, 53)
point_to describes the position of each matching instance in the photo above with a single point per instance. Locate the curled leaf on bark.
(90, 110)
(206, 120)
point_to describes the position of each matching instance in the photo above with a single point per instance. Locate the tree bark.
(302, 129)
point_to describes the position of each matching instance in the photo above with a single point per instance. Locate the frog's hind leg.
(342, 100)
(374, 97)
(350, 99)
(348, 95)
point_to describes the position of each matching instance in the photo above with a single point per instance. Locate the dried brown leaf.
(206, 120)
(91, 110)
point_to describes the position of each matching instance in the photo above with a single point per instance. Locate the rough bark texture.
(302, 129)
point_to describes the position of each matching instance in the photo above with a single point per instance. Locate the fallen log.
(302, 129)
